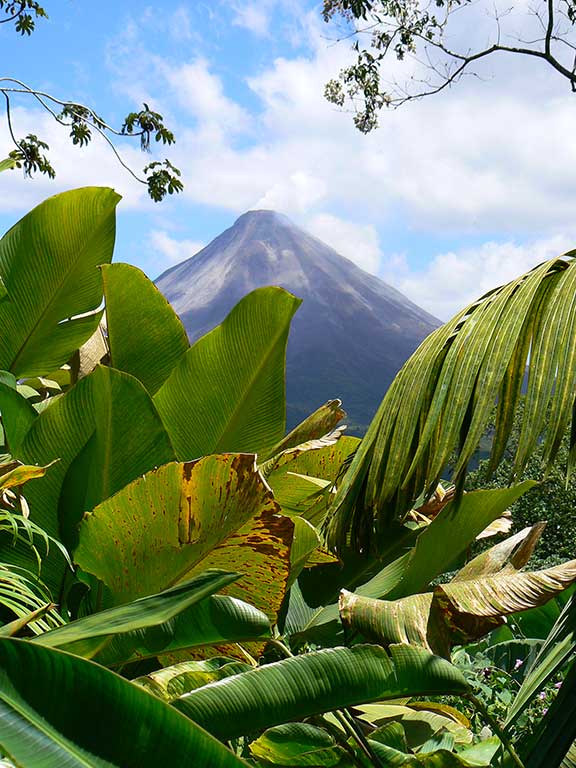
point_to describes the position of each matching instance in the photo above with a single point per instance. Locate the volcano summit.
(351, 334)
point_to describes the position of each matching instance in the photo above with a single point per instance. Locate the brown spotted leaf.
(260, 550)
(453, 613)
(182, 518)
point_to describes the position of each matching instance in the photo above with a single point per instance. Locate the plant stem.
(279, 645)
(347, 721)
(498, 730)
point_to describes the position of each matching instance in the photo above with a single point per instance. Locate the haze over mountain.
(349, 337)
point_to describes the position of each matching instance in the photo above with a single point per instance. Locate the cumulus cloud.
(255, 17)
(173, 251)
(454, 279)
(201, 94)
(358, 242)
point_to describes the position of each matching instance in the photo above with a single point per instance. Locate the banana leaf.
(227, 393)
(454, 613)
(317, 682)
(145, 335)
(60, 710)
(216, 512)
(48, 266)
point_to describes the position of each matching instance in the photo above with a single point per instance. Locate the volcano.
(350, 336)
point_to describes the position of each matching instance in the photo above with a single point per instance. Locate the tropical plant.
(209, 549)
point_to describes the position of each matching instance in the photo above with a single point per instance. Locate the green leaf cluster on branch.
(422, 32)
(31, 152)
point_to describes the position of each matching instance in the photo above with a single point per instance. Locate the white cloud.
(253, 16)
(173, 251)
(201, 94)
(454, 279)
(298, 193)
(94, 165)
(359, 243)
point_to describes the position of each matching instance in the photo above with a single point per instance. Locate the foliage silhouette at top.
(30, 153)
(425, 33)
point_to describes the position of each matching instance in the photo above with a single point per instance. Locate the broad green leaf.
(447, 390)
(216, 621)
(128, 440)
(7, 164)
(317, 682)
(48, 264)
(451, 532)
(215, 512)
(172, 682)
(89, 635)
(453, 613)
(299, 744)
(228, 392)
(145, 335)
(103, 433)
(46, 697)
(17, 416)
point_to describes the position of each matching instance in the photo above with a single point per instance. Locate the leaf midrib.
(252, 380)
(56, 293)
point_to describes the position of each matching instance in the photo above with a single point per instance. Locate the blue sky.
(449, 197)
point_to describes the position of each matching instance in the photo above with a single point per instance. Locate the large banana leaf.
(215, 512)
(17, 416)
(172, 682)
(454, 613)
(299, 744)
(102, 433)
(59, 710)
(444, 395)
(128, 440)
(48, 265)
(88, 635)
(216, 621)
(145, 335)
(228, 391)
(317, 682)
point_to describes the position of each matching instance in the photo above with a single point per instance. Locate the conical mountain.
(351, 334)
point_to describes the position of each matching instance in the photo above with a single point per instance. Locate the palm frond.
(22, 593)
(444, 396)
